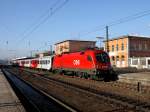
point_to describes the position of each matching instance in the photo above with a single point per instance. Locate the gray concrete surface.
(143, 77)
(8, 99)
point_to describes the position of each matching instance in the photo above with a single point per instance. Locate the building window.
(140, 47)
(117, 58)
(143, 61)
(135, 47)
(112, 47)
(132, 47)
(122, 46)
(134, 62)
(145, 46)
(122, 58)
(113, 58)
(117, 47)
(61, 48)
(129, 62)
(113, 61)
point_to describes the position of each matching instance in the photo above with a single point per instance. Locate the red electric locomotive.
(90, 63)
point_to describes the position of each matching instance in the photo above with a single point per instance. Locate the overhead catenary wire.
(39, 19)
(117, 22)
(130, 18)
(52, 11)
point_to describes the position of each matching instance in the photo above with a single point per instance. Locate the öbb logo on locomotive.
(76, 62)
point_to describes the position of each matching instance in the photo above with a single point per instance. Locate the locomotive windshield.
(102, 57)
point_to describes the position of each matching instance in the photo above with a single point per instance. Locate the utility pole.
(51, 51)
(107, 40)
(31, 53)
(7, 45)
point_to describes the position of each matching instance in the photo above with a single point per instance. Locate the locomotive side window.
(102, 57)
(89, 58)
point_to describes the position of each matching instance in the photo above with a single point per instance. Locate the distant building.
(73, 46)
(130, 50)
(42, 54)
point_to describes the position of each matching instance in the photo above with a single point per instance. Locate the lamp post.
(50, 49)
(107, 40)
(100, 38)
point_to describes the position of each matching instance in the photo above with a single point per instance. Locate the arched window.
(113, 58)
(112, 47)
(117, 58)
(122, 58)
(117, 48)
(122, 46)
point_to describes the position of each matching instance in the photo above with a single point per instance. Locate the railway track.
(133, 87)
(124, 103)
(38, 100)
(112, 98)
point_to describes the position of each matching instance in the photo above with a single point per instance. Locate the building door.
(117, 61)
(123, 63)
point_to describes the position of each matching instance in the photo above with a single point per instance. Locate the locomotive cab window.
(102, 57)
(89, 58)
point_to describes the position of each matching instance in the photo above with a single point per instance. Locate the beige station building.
(73, 46)
(128, 50)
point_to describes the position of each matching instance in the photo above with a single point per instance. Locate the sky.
(30, 26)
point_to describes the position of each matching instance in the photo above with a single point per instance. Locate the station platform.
(9, 102)
(142, 77)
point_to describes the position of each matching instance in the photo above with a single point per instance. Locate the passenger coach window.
(48, 61)
(89, 58)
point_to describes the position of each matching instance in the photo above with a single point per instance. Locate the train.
(91, 63)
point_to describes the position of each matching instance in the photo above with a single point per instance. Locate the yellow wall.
(119, 52)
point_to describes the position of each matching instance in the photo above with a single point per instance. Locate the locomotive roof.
(74, 41)
(90, 49)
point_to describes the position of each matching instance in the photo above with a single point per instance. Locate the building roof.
(74, 41)
(42, 52)
(129, 36)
